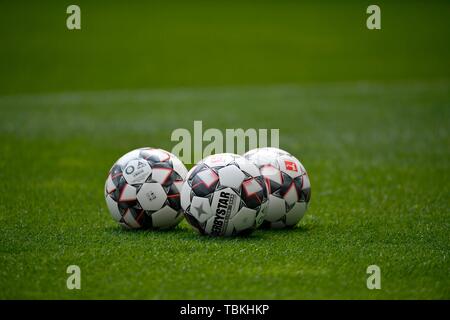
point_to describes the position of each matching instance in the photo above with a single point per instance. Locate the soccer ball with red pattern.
(143, 189)
(288, 186)
(224, 195)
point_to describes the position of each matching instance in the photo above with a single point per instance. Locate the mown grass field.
(366, 113)
(377, 157)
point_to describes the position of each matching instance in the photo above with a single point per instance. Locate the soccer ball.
(288, 186)
(142, 190)
(224, 195)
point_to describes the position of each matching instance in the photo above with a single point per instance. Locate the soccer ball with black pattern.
(224, 195)
(143, 187)
(288, 186)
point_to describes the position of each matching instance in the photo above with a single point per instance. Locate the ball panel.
(291, 196)
(244, 219)
(200, 209)
(210, 223)
(110, 186)
(262, 157)
(230, 230)
(219, 160)
(261, 214)
(185, 196)
(121, 182)
(173, 198)
(127, 193)
(194, 223)
(151, 196)
(194, 170)
(306, 184)
(276, 208)
(179, 167)
(165, 217)
(248, 167)
(161, 175)
(296, 213)
(130, 219)
(253, 192)
(155, 155)
(272, 173)
(231, 176)
(290, 166)
(204, 182)
(178, 185)
(113, 208)
(145, 220)
(306, 195)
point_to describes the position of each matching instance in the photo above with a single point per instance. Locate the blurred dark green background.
(137, 44)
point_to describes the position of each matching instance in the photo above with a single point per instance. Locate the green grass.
(377, 155)
(367, 112)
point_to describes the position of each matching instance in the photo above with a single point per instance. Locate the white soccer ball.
(224, 195)
(143, 189)
(288, 186)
